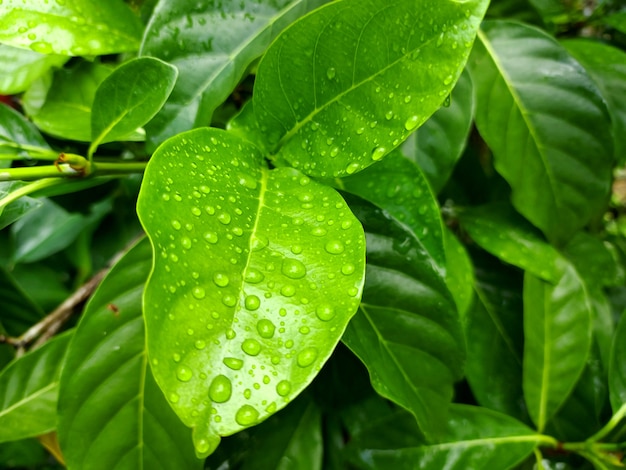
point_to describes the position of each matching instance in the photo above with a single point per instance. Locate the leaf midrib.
(28, 398)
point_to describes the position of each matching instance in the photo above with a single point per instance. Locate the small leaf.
(129, 97)
(438, 144)
(617, 369)
(17, 209)
(21, 67)
(372, 73)
(29, 389)
(476, 438)
(547, 125)
(557, 341)
(233, 34)
(407, 331)
(256, 275)
(112, 414)
(18, 135)
(78, 27)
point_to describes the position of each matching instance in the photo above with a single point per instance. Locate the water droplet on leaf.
(220, 389)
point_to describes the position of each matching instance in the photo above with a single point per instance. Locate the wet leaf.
(256, 275)
(233, 35)
(372, 73)
(20, 67)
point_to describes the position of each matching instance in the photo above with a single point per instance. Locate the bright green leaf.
(129, 97)
(398, 186)
(476, 438)
(233, 34)
(617, 369)
(438, 144)
(29, 389)
(372, 72)
(256, 275)
(112, 414)
(407, 331)
(547, 125)
(557, 341)
(77, 27)
(20, 67)
(607, 67)
(459, 273)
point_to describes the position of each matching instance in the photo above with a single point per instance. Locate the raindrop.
(196, 211)
(183, 373)
(200, 344)
(224, 217)
(304, 330)
(352, 168)
(440, 40)
(407, 99)
(251, 347)
(346, 224)
(296, 249)
(283, 388)
(331, 72)
(254, 276)
(229, 300)
(233, 363)
(246, 415)
(211, 237)
(334, 247)
(447, 80)
(288, 290)
(265, 328)
(293, 269)
(174, 397)
(176, 224)
(252, 302)
(347, 269)
(325, 312)
(220, 389)
(318, 232)
(389, 115)
(220, 279)
(306, 357)
(379, 153)
(258, 242)
(411, 123)
(334, 152)
(198, 293)
(230, 333)
(185, 242)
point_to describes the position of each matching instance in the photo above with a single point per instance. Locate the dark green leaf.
(407, 331)
(547, 125)
(557, 341)
(233, 35)
(20, 67)
(18, 208)
(607, 67)
(617, 369)
(129, 97)
(18, 310)
(593, 260)
(112, 414)
(77, 27)
(617, 21)
(439, 143)
(476, 438)
(29, 389)
(372, 72)
(18, 135)
(256, 275)
(459, 274)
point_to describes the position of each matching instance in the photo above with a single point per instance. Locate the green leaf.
(18, 208)
(112, 414)
(18, 311)
(498, 229)
(547, 125)
(129, 97)
(256, 275)
(29, 389)
(438, 144)
(45, 231)
(66, 112)
(371, 73)
(234, 34)
(607, 67)
(407, 331)
(21, 67)
(398, 186)
(476, 438)
(617, 369)
(79, 27)
(459, 273)
(557, 341)
(593, 260)
(617, 21)
(18, 135)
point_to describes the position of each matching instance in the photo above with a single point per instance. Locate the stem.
(613, 422)
(119, 168)
(37, 172)
(28, 189)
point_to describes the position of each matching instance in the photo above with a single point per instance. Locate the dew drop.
(325, 312)
(254, 276)
(288, 290)
(447, 80)
(334, 247)
(331, 72)
(185, 242)
(346, 224)
(246, 415)
(352, 168)
(252, 302)
(183, 373)
(283, 388)
(220, 279)
(230, 333)
(407, 99)
(176, 224)
(258, 242)
(379, 153)
(318, 232)
(224, 218)
(220, 389)
(174, 397)
(334, 152)
(196, 211)
(306, 357)
(198, 293)
(211, 237)
(411, 123)
(388, 115)
(293, 269)
(265, 328)
(251, 347)
(200, 345)
(305, 330)
(347, 269)
(233, 363)
(229, 300)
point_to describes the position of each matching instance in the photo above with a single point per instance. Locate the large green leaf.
(547, 125)
(29, 389)
(256, 275)
(557, 341)
(476, 438)
(129, 97)
(20, 67)
(398, 186)
(617, 370)
(607, 67)
(438, 144)
(459, 273)
(407, 331)
(233, 34)
(112, 414)
(356, 77)
(77, 27)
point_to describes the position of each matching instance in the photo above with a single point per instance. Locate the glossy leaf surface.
(256, 275)
(557, 341)
(617, 370)
(21, 67)
(79, 27)
(407, 331)
(546, 123)
(233, 34)
(438, 144)
(129, 97)
(18, 208)
(18, 135)
(459, 273)
(476, 438)
(374, 71)
(29, 389)
(112, 414)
